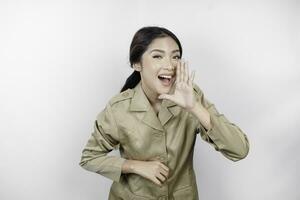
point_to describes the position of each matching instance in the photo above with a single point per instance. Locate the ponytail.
(132, 81)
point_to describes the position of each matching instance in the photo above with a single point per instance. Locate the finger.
(177, 72)
(181, 71)
(186, 72)
(160, 177)
(194, 76)
(191, 79)
(166, 96)
(156, 181)
(164, 167)
(164, 172)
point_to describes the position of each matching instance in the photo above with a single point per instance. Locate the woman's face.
(158, 66)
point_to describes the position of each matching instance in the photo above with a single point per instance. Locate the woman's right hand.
(155, 171)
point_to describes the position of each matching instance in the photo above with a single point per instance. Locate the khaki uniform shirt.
(129, 123)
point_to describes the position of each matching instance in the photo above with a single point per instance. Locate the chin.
(163, 90)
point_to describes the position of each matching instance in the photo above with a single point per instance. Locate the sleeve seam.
(115, 123)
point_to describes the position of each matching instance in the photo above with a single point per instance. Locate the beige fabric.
(130, 123)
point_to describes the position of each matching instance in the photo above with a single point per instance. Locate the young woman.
(154, 122)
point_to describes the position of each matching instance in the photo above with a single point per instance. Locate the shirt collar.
(140, 102)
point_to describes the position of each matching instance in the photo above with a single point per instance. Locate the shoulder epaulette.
(127, 94)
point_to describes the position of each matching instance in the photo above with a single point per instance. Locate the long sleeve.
(103, 139)
(223, 135)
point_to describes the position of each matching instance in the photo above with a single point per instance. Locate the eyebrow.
(177, 50)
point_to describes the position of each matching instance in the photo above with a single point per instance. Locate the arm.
(217, 130)
(103, 139)
(154, 170)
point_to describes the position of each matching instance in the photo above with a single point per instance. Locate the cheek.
(150, 72)
(150, 77)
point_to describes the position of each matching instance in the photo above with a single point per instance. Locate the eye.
(157, 56)
(176, 57)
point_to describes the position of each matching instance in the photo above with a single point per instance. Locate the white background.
(61, 61)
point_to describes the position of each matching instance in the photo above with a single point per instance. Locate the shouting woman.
(154, 122)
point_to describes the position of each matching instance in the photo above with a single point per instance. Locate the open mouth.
(166, 79)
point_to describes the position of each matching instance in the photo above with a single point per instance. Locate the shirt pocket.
(185, 179)
(141, 143)
(184, 193)
(139, 188)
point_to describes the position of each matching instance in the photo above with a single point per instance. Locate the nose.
(169, 65)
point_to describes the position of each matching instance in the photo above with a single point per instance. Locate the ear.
(137, 67)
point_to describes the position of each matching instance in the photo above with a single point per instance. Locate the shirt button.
(161, 158)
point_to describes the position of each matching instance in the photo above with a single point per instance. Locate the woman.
(154, 121)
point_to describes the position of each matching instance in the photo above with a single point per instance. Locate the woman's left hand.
(183, 94)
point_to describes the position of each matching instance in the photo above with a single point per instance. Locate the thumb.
(166, 96)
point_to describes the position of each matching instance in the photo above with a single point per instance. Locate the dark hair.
(139, 44)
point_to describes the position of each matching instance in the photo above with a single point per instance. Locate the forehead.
(164, 43)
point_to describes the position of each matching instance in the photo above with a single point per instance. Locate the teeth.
(166, 76)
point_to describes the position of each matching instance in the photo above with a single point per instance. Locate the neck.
(151, 96)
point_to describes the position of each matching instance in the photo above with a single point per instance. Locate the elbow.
(85, 162)
(236, 154)
(241, 154)
(88, 165)
(82, 163)
(242, 151)
(245, 149)
(90, 162)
